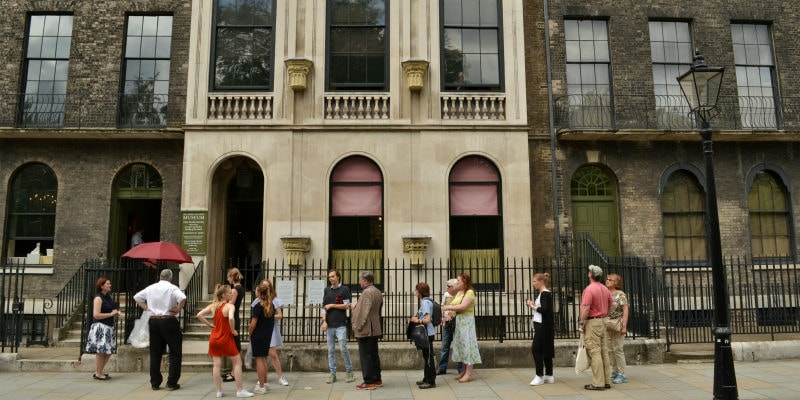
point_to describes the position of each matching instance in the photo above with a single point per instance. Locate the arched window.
(476, 221)
(31, 214)
(770, 217)
(356, 222)
(683, 214)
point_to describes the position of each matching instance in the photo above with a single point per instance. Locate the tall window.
(755, 75)
(770, 219)
(357, 45)
(31, 214)
(476, 221)
(47, 63)
(356, 227)
(147, 49)
(588, 73)
(244, 42)
(471, 45)
(683, 216)
(671, 54)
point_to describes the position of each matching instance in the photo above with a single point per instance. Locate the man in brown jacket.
(367, 329)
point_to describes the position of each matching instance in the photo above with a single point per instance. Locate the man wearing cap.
(596, 303)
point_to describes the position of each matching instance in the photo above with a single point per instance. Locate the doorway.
(594, 207)
(135, 204)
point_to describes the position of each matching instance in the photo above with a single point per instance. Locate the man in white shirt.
(137, 238)
(165, 301)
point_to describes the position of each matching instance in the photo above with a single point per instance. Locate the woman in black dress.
(102, 339)
(543, 346)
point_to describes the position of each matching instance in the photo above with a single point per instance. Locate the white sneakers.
(260, 390)
(243, 393)
(283, 381)
(220, 394)
(538, 380)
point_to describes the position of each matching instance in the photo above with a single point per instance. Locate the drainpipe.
(551, 108)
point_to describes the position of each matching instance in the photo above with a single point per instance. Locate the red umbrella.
(164, 251)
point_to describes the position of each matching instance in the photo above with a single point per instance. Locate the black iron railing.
(98, 110)
(195, 292)
(670, 112)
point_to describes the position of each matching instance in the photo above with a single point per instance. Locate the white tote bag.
(581, 358)
(140, 335)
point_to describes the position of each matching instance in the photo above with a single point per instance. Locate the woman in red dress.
(222, 343)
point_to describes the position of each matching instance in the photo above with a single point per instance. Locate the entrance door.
(135, 203)
(594, 208)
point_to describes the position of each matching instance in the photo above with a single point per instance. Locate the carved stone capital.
(298, 69)
(415, 73)
(416, 246)
(296, 248)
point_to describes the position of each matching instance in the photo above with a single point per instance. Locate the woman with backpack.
(424, 316)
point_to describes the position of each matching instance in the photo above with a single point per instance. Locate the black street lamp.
(700, 86)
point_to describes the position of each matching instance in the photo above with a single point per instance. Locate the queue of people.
(602, 319)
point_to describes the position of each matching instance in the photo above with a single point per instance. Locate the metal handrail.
(670, 112)
(194, 294)
(75, 110)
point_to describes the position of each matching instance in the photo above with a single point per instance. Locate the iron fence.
(666, 301)
(612, 112)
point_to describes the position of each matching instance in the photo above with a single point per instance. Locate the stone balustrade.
(473, 106)
(239, 106)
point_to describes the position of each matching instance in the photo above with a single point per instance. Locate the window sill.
(29, 269)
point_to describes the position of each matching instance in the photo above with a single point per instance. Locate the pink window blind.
(474, 183)
(356, 188)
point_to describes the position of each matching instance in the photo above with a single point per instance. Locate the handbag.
(140, 334)
(614, 325)
(248, 357)
(581, 357)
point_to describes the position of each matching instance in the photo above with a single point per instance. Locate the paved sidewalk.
(776, 379)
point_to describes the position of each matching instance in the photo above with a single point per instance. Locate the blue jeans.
(447, 339)
(333, 335)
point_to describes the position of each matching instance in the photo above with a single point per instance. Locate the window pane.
(243, 52)
(471, 45)
(357, 45)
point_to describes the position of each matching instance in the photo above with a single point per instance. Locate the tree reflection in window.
(244, 42)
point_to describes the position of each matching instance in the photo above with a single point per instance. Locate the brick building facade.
(616, 108)
(76, 123)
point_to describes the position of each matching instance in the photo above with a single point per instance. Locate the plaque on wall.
(193, 232)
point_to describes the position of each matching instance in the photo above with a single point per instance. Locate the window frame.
(350, 86)
(11, 216)
(768, 120)
(153, 117)
(599, 113)
(23, 117)
(498, 28)
(779, 177)
(672, 108)
(212, 67)
(694, 173)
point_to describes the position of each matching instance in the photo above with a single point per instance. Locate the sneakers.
(537, 381)
(332, 379)
(613, 375)
(350, 377)
(283, 381)
(258, 383)
(243, 393)
(620, 379)
(220, 394)
(260, 390)
(549, 379)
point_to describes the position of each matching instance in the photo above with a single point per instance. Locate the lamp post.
(700, 86)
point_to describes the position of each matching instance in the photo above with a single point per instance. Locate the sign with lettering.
(193, 232)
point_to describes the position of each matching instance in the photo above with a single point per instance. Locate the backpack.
(436, 313)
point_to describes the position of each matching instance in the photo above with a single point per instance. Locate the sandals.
(105, 378)
(228, 378)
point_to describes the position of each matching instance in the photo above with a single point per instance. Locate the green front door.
(594, 208)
